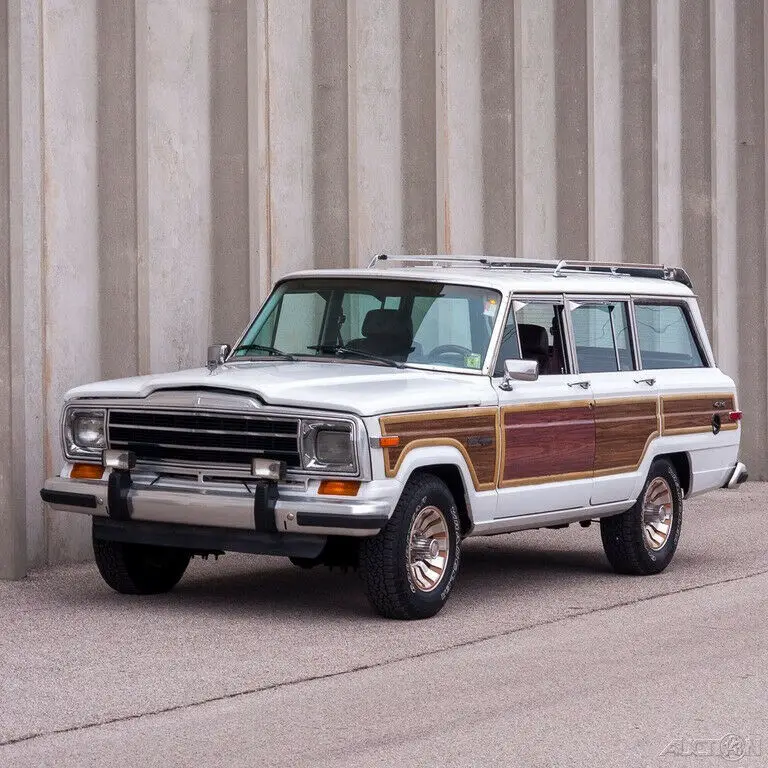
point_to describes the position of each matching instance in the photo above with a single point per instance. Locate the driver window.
(540, 335)
(445, 322)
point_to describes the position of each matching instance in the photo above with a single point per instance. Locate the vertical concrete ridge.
(13, 545)
(116, 172)
(605, 120)
(141, 136)
(330, 183)
(749, 269)
(636, 131)
(696, 148)
(418, 108)
(459, 131)
(497, 67)
(259, 153)
(32, 202)
(666, 215)
(724, 184)
(571, 128)
(375, 130)
(537, 169)
(229, 244)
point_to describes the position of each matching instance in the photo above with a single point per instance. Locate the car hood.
(361, 389)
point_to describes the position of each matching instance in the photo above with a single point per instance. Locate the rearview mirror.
(217, 354)
(519, 370)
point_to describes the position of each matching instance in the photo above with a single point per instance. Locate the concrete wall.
(161, 163)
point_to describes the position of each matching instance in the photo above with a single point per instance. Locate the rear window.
(666, 338)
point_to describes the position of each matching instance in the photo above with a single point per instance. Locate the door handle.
(582, 384)
(650, 381)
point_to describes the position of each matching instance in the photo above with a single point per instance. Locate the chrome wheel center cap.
(425, 547)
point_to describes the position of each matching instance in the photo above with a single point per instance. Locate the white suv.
(378, 417)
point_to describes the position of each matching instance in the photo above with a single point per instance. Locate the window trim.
(684, 304)
(587, 298)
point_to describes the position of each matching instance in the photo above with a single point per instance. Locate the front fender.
(481, 505)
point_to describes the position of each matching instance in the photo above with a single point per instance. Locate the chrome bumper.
(737, 477)
(231, 506)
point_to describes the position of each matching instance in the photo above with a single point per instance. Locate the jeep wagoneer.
(377, 417)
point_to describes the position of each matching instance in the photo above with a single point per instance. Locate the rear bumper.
(233, 507)
(738, 476)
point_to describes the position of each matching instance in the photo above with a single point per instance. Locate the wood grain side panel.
(683, 414)
(546, 444)
(623, 429)
(472, 431)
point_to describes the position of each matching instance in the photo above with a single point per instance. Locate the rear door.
(626, 403)
(547, 426)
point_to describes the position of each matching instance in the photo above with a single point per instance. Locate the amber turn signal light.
(339, 487)
(390, 441)
(86, 472)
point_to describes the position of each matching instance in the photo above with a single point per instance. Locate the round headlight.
(334, 446)
(88, 430)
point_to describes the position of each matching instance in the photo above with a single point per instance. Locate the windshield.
(375, 320)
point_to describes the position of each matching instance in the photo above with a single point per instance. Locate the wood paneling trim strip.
(474, 432)
(692, 414)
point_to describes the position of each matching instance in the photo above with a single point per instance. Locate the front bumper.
(235, 506)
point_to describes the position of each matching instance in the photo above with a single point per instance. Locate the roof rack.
(556, 268)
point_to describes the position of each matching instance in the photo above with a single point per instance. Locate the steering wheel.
(449, 349)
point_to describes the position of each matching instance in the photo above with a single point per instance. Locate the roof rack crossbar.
(557, 268)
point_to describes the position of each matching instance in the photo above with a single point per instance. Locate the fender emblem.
(479, 441)
(718, 404)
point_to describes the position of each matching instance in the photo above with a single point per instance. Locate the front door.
(547, 426)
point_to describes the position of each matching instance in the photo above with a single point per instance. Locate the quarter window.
(665, 337)
(601, 333)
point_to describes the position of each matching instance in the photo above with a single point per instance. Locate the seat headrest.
(387, 322)
(533, 338)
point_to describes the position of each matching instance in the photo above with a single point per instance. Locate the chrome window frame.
(360, 434)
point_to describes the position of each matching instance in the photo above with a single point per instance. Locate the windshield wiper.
(340, 349)
(264, 348)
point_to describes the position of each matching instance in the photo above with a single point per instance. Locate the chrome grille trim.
(203, 439)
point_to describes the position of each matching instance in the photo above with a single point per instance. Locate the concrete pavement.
(543, 657)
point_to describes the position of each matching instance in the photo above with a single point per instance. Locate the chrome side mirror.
(217, 354)
(519, 370)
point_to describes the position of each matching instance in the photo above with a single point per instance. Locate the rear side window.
(665, 337)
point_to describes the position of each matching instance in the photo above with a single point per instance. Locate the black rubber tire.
(622, 534)
(384, 557)
(139, 569)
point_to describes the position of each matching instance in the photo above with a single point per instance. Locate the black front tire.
(385, 558)
(624, 540)
(139, 569)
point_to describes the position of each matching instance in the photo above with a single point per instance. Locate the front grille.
(204, 439)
